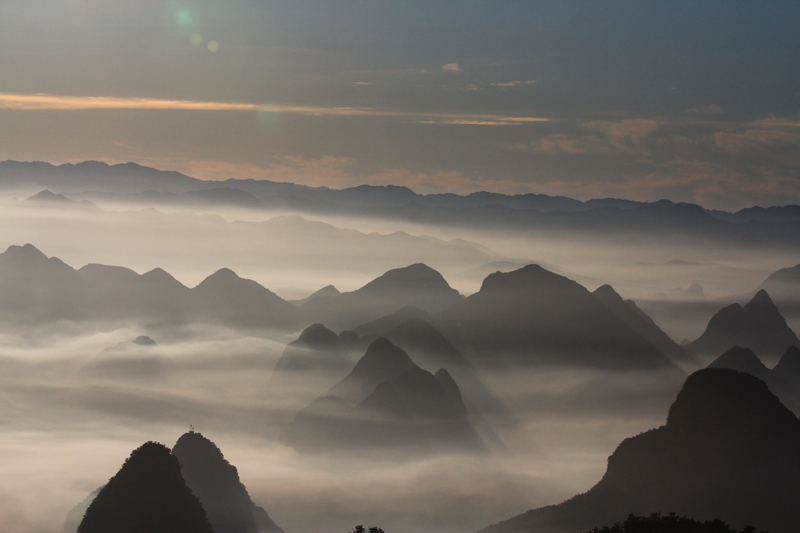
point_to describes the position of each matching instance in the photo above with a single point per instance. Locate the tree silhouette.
(360, 529)
(671, 523)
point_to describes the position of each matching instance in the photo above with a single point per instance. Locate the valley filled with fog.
(78, 394)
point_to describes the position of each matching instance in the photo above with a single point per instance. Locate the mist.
(79, 395)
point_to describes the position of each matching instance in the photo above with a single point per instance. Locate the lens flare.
(213, 46)
(197, 39)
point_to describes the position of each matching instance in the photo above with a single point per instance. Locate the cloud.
(627, 137)
(757, 140)
(38, 102)
(711, 109)
(514, 83)
(41, 102)
(450, 67)
(362, 83)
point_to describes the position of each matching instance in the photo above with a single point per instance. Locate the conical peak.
(27, 253)
(529, 277)
(761, 303)
(318, 334)
(382, 354)
(607, 293)
(723, 403)
(196, 444)
(223, 274)
(737, 354)
(417, 276)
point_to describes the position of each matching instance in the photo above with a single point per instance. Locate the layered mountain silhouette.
(783, 380)
(533, 316)
(641, 323)
(328, 290)
(36, 289)
(387, 402)
(416, 285)
(147, 494)
(784, 282)
(757, 325)
(523, 212)
(729, 450)
(216, 484)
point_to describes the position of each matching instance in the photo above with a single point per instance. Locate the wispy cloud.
(38, 102)
(599, 137)
(42, 102)
(514, 83)
(450, 67)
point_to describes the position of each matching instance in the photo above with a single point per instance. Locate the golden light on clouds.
(44, 102)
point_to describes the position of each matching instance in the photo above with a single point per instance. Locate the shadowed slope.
(533, 316)
(147, 494)
(629, 312)
(758, 326)
(216, 484)
(729, 450)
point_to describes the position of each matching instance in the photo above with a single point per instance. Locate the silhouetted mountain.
(532, 316)
(37, 289)
(641, 323)
(328, 290)
(92, 176)
(416, 285)
(743, 360)
(784, 285)
(383, 361)
(389, 402)
(216, 484)
(49, 196)
(729, 450)
(304, 353)
(147, 494)
(788, 368)
(240, 302)
(779, 380)
(758, 326)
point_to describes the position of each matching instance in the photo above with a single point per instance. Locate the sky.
(687, 101)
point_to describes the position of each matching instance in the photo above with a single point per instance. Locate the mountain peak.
(47, 195)
(418, 276)
(525, 278)
(147, 494)
(27, 253)
(721, 402)
(607, 292)
(761, 304)
(318, 335)
(217, 485)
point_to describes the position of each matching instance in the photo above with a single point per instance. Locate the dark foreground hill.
(387, 403)
(532, 316)
(216, 484)
(147, 494)
(729, 450)
(757, 325)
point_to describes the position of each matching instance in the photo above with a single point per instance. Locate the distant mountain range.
(728, 450)
(97, 181)
(530, 316)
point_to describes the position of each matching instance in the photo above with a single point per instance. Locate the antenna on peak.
(191, 428)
